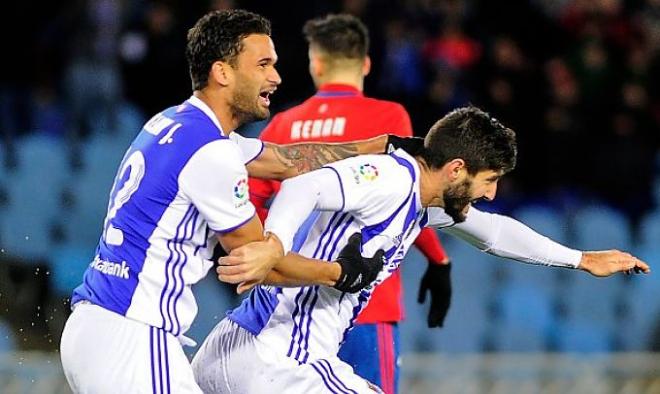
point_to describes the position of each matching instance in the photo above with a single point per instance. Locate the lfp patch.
(241, 191)
(369, 172)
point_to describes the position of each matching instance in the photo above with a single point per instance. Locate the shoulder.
(372, 170)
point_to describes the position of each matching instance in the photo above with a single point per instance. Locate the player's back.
(155, 241)
(338, 113)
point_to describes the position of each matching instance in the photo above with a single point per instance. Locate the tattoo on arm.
(308, 157)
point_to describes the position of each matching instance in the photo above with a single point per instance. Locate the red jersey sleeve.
(429, 244)
(401, 124)
(261, 190)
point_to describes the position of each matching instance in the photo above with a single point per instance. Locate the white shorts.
(104, 352)
(232, 360)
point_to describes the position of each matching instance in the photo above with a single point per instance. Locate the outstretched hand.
(608, 262)
(249, 264)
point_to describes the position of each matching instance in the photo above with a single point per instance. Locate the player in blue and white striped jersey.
(285, 340)
(181, 188)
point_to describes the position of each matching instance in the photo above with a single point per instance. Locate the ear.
(316, 66)
(454, 168)
(221, 73)
(366, 66)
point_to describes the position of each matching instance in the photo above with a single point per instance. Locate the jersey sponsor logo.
(108, 268)
(240, 192)
(368, 171)
(315, 128)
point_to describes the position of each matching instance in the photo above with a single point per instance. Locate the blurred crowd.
(577, 79)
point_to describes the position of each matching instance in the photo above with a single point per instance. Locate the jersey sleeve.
(215, 180)
(250, 148)
(506, 237)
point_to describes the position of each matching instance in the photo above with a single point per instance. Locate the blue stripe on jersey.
(181, 282)
(140, 214)
(298, 328)
(325, 381)
(325, 362)
(302, 233)
(406, 164)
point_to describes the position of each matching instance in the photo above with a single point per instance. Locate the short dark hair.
(339, 35)
(217, 36)
(473, 135)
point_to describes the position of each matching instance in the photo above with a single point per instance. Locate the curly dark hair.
(339, 35)
(218, 36)
(473, 135)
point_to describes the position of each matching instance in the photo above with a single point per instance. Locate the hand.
(413, 145)
(437, 281)
(357, 272)
(249, 264)
(608, 262)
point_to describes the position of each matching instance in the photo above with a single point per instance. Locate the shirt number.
(135, 165)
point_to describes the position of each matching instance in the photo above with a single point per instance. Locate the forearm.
(287, 161)
(505, 237)
(295, 270)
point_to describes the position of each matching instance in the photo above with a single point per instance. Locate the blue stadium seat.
(545, 220)
(7, 338)
(34, 192)
(582, 337)
(67, 265)
(472, 280)
(642, 306)
(599, 227)
(649, 231)
(515, 337)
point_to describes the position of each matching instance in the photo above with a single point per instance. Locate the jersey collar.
(196, 102)
(338, 90)
(401, 154)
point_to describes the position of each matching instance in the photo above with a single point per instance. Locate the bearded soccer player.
(339, 112)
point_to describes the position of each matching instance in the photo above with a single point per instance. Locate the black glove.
(436, 280)
(413, 145)
(357, 272)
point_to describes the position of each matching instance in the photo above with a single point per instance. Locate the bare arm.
(286, 161)
(296, 270)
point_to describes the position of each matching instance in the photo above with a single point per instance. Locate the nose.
(274, 77)
(491, 192)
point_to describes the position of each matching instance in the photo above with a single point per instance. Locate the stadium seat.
(599, 227)
(545, 220)
(649, 231)
(7, 337)
(516, 337)
(641, 307)
(68, 263)
(582, 337)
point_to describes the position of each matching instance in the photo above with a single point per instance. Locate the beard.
(456, 199)
(244, 106)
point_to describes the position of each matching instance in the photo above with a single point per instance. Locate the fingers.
(355, 239)
(246, 286)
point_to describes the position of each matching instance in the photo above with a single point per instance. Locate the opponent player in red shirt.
(339, 112)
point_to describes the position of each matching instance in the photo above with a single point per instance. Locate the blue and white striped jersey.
(180, 182)
(381, 200)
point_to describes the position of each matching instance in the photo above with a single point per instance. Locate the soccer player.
(285, 340)
(180, 189)
(339, 112)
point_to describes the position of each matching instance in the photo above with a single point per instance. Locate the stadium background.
(579, 81)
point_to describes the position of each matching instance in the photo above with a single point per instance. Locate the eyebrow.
(268, 59)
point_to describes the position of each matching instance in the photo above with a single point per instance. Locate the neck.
(430, 183)
(220, 107)
(343, 78)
